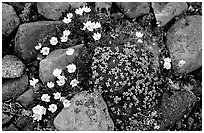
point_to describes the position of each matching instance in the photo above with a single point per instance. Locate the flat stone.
(5, 118)
(184, 42)
(165, 12)
(174, 105)
(57, 59)
(30, 34)
(10, 21)
(134, 9)
(87, 112)
(13, 88)
(12, 67)
(54, 10)
(25, 123)
(11, 127)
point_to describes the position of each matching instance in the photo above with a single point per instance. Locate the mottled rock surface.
(12, 67)
(10, 21)
(87, 112)
(25, 123)
(184, 41)
(30, 34)
(11, 127)
(5, 118)
(165, 12)
(12, 88)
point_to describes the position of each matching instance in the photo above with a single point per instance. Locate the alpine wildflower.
(38, 111)
(167, 59)
(66, 20)
(66, 103)
(66, 33)
(97, 25)
(88, 25)
(50, 84)
(53, 41)
(56, 72)
(69, 15)
(79, 11)
(167, 65)
(181, 63)
(45, 50)
(39, 46)
(139, 34)
(62, 99)
(61, 80)
(140, 41)
(74, 83)
(33, 82)
(64, 38)
(70, 51)
(57, 95)
(45, 98)
(52, 108)
(71, 68)
(96, 36)
(86, 9)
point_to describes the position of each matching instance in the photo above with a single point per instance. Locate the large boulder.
(54, 10)
(5, 118)
(134, 9)
(184, 41)
(12, 67)
(87, 112)
(165, 12)
(12, 88)
(57, 59)
(30, 34)
(10, 21)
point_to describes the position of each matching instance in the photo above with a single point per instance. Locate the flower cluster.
(80, 11)
(167, 63)
(68, 19)
(33, 82)
(181, 63)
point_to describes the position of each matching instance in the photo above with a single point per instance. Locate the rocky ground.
(141, 71)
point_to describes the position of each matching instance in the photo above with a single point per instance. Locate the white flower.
(97, 25)
(74, 83)
(61, 80)
(86, 9)
(89, 26)
(39, 46)
(70, 51)
(181, 63)
(53, 41)
(57, 95)
(50, 84)
(140, 41)
(167, 65)
(69, 15)
(62, 99)
(66, 33)
(33, 82)
(79, 11)
(66, 103)
(45, 50)
(45, 98)
(66, 20)
(139, 34)
(96, 36)
(64, 38)
(56, 72)
(38, 111)
(167, 60)
(52, 108)
(71, 68)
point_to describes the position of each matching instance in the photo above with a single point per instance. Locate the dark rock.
(18, 6)
(25, 123)
(10, 21)
(30, 34)
(184, 41)
(13, 88)
(12, 67)
(5, 118)
(87, 112)
(134, 9)
(54, 10)
(165, 12)
(174, 105)
(11, 127)
(27, 98)
(57, 59)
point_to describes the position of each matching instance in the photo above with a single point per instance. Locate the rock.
(56, 59)
(134, 9)
(103, 7)
(10, 21)
(5, 118)
(165, 12)
(12, 67)
(30, 34)
(18, 6)
(87, 112)
(25, 123)
(27, 98)
(11, 127)
(54, 10)
(13, 88)
(174, 105)
(184, 42)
